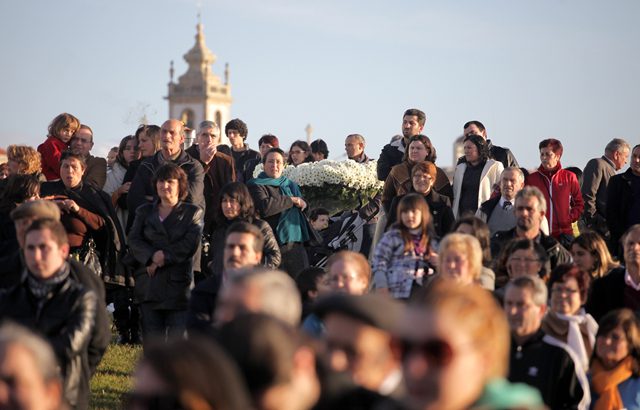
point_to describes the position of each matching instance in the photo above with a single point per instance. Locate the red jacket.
(564, 199)
(51, 151)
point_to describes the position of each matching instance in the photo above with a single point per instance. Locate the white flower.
(346, 173)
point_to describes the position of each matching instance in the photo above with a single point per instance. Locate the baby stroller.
(344, 233)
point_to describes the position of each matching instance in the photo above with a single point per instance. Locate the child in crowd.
(311, 283)
(319, 219)
(61, 131)
(404, 257)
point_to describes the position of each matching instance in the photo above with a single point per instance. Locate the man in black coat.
(530, 208)
(413, 122)
(172, 136)
(236, 130)
(52, 303)
(243, 249)
(595, 180)
(501, 154)
(623, 200)
(535, 359)
(12, 267)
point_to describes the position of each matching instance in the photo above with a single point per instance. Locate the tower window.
(188, 118)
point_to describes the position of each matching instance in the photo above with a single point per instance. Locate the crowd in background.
(501, 288)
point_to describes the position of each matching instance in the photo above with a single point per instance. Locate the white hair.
(279, 295)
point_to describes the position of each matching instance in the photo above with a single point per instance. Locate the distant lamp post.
(309, 130)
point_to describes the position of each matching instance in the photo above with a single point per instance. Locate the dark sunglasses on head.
(134, 400)
(436, 351)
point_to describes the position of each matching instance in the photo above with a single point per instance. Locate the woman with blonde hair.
(460, 258)
(477, 228)
(590, 253)
(23, 159)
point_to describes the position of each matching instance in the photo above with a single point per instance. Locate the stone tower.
(200, 94)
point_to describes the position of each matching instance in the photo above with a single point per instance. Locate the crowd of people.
(501, 288)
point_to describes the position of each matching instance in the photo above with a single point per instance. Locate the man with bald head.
(142, 191)
(172, 134)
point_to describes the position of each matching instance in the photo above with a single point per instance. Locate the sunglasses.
(436, 351)
(134, 400)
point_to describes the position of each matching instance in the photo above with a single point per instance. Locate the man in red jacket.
(561, 191)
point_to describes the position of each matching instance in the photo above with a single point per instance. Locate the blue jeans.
(162, 323)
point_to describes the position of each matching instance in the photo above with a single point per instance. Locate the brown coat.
(399, 183)
(217, 173)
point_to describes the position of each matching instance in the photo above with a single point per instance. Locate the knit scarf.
(41, 287)
(605, 383)
(575, 327)
(292, 225)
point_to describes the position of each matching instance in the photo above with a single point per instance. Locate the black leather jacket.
(66, 318)
(178, 237)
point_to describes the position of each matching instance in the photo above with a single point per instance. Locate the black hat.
(375, 310)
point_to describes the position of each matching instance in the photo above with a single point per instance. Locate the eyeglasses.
(135, 400)
(425, 177)
(436, 351)
(297, 152)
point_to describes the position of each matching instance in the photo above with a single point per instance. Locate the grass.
(114, 376)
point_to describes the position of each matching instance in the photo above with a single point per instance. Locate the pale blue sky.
(527, 69)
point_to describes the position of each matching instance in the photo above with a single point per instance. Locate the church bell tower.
(200, 94)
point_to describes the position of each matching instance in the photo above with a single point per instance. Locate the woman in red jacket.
(561, 190)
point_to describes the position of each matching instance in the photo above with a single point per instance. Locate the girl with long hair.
(404, 256)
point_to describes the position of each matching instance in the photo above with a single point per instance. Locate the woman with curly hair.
(23, 159)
